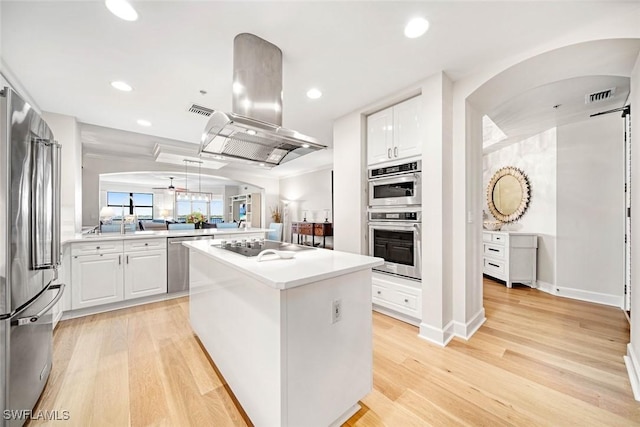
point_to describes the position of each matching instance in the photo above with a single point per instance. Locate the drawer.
(486, 237)
(323, 230)
(398, 297)
(96, 248)
(305, 228)
(498, 238)
(144, 244)
(493, 266)
(494, 251)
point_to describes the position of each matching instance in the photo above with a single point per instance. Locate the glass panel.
(143, 199)
(197, 206)
(402, 189)
(117, 199)
(394, 246)
(143, 212)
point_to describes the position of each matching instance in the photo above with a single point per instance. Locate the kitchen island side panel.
(238, 320)
(329, 360)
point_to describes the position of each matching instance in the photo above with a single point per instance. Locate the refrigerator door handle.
(34, 318)
(28, 304)
(45, 204)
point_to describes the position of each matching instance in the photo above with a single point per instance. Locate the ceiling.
(66, 53)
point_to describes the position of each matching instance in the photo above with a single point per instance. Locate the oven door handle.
(397, 178)
(395, 226)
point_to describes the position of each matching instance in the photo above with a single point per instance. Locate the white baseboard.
(582, 295)
(546, 287)
(437, 336)
(72, 314)
(466, 331)
(633, 370)
(396, 315)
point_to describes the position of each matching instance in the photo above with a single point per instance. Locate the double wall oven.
(395, 218)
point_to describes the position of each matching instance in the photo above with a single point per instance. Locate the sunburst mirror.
(508, 194)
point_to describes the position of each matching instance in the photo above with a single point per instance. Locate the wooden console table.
(312, 229)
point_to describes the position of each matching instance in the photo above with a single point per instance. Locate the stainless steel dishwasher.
(178, 262)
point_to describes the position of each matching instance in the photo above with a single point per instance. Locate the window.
(139, 204)
(216, 209)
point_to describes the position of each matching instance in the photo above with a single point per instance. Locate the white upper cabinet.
(394, 133)
(380, 136)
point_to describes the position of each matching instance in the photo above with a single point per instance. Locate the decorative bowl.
(493, 225)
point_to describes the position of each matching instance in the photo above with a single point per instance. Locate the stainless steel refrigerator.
(29, 254)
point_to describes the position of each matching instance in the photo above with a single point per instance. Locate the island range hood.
(253, 131)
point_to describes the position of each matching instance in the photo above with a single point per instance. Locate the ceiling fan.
(171, 188)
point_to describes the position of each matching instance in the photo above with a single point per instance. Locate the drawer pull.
(406, 300)
(494, 250)
(379, 292)
(97, 247)
(146, 244)
(494, 265)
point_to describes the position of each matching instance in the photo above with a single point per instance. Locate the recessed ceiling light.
(143, 122)
(261, 164)
(251, 132)
(122, 9)
(120, 85)
(416, 27)
(305, 145)
(314, 93)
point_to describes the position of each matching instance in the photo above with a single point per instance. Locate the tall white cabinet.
(394, 133)
(510, 256)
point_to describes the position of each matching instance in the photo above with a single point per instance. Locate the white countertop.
(306, 267)
(150, 234)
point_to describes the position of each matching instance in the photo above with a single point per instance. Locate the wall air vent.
(599, 96)
(200, 110)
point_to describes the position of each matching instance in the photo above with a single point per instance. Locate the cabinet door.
(96, 279)
(379, 136)
(145, 273)
(407, 141)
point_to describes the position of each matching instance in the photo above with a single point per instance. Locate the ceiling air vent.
(599, 96)
(200, 110)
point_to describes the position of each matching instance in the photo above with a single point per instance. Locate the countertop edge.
(159, 234)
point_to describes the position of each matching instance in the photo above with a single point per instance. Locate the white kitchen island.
(272, 330)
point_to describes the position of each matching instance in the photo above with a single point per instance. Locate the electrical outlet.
(336, 311)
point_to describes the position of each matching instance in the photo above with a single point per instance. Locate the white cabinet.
(399, 296)
(511, 257)
(97, 279)
(107, 272)
(145, 267)
(394, 133)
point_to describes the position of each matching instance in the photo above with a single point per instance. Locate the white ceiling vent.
(200, 110)
(599, 96)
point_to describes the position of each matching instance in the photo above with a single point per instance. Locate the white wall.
(310, 192)
(349, 193)
(633, 349)
(536, 157)
(66, 131)
(590, 244)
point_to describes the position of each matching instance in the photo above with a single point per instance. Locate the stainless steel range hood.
(253, 131)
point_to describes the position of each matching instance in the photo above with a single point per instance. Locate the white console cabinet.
(510, 256)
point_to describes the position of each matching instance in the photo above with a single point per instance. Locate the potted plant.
(276, 214)
(196, 218)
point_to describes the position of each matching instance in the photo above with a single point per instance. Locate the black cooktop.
(253, 248)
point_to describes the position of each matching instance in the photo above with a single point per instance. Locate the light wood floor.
(538, 360)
